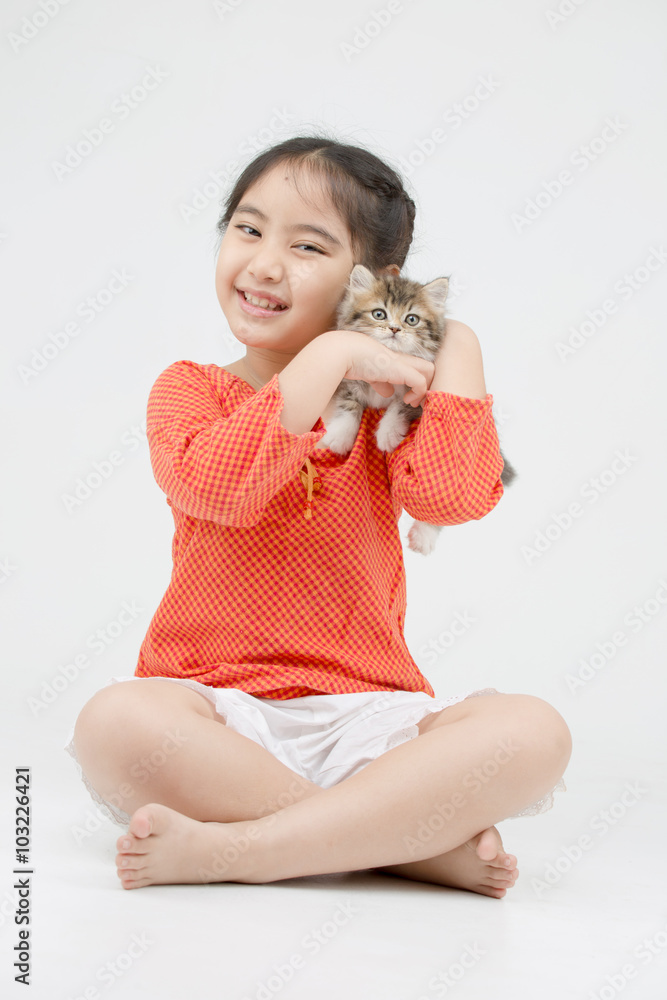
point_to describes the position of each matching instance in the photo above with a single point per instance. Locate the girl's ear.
(391, 269)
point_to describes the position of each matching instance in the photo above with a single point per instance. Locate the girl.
(276, 725)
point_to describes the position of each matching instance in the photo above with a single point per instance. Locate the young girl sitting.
(277, 725)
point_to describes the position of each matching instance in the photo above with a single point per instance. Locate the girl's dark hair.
(368, 194)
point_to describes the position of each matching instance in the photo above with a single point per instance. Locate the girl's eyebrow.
(327, 236)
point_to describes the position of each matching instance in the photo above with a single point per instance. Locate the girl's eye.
(412, 319)
(245, 226)
(378, 314)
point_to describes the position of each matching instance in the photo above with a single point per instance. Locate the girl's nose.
(265, 263)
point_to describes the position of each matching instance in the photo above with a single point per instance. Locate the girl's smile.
(260, 303)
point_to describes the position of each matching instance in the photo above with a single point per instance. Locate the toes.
(498, 876)
(488, 891)
(130, 862)
(141, 822)
(128, 845)
(495, 881)
(490, 849)
(135, 883)
(488, 844)
(129, 876)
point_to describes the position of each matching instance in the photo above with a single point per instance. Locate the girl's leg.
(463, 867)
(416, 801)
(155, 741)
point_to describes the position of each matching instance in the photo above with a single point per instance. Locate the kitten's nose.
(394, 329)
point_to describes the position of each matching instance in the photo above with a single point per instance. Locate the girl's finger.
(383, 388)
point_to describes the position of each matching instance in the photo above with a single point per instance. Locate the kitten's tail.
(509, 473)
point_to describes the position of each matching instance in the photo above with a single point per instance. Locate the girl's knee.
(541, 727)
(128, 715)
(99, 711)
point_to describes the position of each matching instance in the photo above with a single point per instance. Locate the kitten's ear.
(361, 278)
(437, 291)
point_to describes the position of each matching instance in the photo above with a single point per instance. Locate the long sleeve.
(214, 467)
(447, 469)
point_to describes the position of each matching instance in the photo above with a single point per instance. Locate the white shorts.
(325, 737)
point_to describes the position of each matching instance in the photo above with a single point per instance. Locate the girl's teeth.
(264, 303)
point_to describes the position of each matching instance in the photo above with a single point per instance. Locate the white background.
(231, 76)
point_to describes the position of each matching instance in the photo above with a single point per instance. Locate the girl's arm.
(447, 470)
(458, 363)
(309, 381)
(216, 465)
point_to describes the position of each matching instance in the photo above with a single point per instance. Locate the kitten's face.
(402, 314)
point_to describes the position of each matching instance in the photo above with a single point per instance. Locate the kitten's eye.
(378, 314)
(412, 319)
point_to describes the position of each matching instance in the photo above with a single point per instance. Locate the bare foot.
(162, 846)
(480, 865)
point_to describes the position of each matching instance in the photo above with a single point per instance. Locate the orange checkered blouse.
(288, 576)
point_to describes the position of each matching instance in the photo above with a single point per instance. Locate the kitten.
(407, 317)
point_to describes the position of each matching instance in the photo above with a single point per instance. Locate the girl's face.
(281, 248)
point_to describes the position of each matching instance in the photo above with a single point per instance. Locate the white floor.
(598, 929)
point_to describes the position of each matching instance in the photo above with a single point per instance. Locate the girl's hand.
(372, 362)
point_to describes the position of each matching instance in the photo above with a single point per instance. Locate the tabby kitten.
(407, 317)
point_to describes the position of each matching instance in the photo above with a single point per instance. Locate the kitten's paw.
(422, 537)
(341, 432)
(339, 438)
(388, 437)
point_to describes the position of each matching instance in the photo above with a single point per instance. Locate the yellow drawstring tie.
(312, 482)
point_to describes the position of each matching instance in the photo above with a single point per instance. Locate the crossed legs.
(221, 808)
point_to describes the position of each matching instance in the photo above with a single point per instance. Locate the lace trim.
(402, 736)
(108, 810)
(542, 805)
